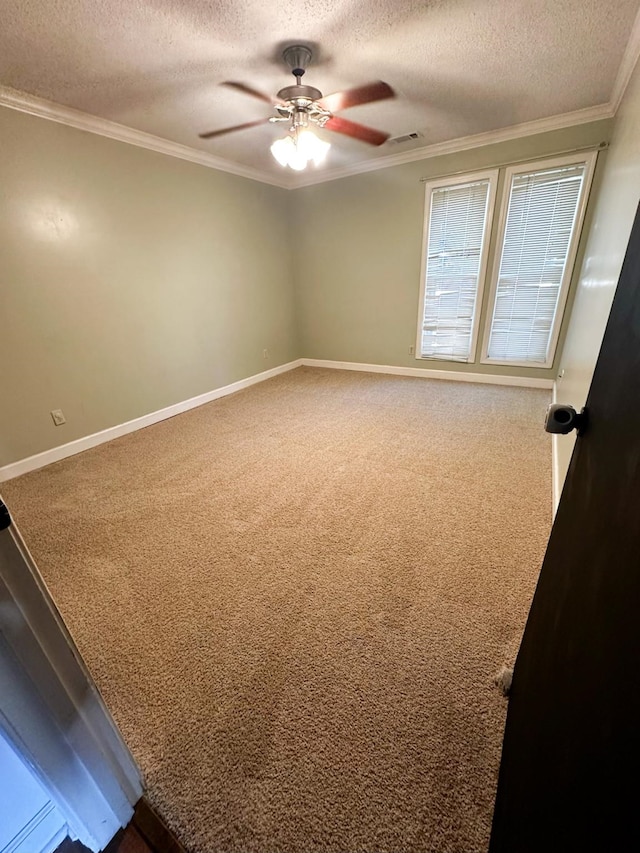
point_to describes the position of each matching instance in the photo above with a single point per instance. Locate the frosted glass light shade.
(282, 150)
(297, 151)
(311, 147)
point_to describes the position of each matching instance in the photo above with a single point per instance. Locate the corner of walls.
(358, 246)
(131, 281)
(156, 290)
(557, 477)
(64, 451)
(555, 471)
(296, 265)
(614, 205)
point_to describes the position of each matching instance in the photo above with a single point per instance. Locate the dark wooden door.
(569, 777)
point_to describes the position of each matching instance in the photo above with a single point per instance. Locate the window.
(455, 257)
(538, 236)
(538, 230)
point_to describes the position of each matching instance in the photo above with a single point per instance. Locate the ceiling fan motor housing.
(304, 93)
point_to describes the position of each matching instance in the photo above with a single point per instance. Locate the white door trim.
(51, 709)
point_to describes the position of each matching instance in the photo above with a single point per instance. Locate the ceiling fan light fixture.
(302, 106)
(311, 147)
(297, 161)
(282, 150)
(298, 150)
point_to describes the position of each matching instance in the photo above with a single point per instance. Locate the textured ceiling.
(459, 67)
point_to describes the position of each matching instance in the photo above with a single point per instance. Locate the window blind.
(456, 234)
(539, 227)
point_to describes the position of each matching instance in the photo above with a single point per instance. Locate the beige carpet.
(294, 600)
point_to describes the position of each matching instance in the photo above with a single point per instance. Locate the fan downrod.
(298, 57)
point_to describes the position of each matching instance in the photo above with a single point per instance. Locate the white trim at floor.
(430, 373)
(32, 463)
(44, 833)
(462, 376)
(556, 485)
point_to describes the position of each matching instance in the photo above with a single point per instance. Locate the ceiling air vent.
(407, 137)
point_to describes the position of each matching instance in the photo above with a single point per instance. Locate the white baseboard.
(461, 376)
(39, 460)
(430, 373)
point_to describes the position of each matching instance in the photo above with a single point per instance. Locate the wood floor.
(145, 834)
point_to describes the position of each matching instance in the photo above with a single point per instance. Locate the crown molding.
(628, 63)
(465, 143)
(35, 106)
(42, 108)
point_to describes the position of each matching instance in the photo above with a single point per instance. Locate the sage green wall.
(129, 281)
(613, 215)
(358, 245)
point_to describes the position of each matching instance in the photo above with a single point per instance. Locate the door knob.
(561, 419)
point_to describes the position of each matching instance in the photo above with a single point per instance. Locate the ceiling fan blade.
(377, 91)
(224, 130)
(254, 93)
(357, 131)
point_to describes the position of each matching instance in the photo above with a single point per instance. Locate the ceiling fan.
(302, 106)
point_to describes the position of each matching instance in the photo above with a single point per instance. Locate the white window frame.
(589, 159)
(492, 176)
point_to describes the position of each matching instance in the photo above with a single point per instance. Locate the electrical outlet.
(58, 417)
(265, 353)
(411, 350)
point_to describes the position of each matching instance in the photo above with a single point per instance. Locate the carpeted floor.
(294, 600)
